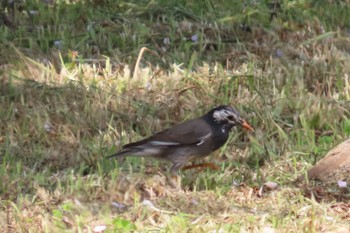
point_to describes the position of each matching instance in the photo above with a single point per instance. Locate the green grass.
(65, 107)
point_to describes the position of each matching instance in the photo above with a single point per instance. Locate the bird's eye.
(230, 117)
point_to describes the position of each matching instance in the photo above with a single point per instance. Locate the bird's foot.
(202, 166)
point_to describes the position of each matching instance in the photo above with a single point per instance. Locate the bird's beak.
(247, 126)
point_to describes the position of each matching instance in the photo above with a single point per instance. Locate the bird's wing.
(191, 132)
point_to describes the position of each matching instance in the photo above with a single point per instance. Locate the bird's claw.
(202, 165)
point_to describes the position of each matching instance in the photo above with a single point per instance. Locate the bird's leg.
(202, 165)
(175, 178)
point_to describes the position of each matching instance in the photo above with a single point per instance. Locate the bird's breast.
(219, 138)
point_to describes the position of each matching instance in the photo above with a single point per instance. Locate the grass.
(73, 93)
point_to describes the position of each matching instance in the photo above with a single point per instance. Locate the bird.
(188, 140)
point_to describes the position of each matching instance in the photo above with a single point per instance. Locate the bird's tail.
(136, 152)
(128, 152)
(120, 154)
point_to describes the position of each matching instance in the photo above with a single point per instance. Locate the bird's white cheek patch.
(223, 130)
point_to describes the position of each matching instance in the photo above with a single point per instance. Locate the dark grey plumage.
(188, 140)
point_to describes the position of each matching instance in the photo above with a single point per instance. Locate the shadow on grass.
(46, 127)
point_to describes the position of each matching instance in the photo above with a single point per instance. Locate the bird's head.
(228, 116)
